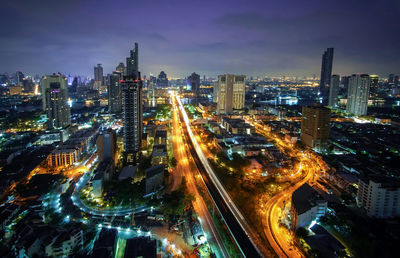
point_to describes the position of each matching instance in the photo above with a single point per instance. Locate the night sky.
(208, 37)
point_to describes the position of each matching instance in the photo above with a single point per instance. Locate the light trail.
(220, 188)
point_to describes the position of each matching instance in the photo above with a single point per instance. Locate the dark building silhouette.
(326, 71)
(132, 62)
(162, 80)
(193, 83)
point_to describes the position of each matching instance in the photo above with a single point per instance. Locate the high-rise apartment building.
(193, 84)
(373, 89)
(132, 62)
(358, 94)
(229, 93)
(114, 93)
(334, 90)
(55, 97)
(315, 126)
(98, 76)
(132, 111)
(326, 71)
(132, 108)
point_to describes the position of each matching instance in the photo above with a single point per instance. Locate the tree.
(173, 162)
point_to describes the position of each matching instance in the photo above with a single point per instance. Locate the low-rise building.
(379, 195)
(159, 155)
(65, 243)
(307, 205)
(154, 178)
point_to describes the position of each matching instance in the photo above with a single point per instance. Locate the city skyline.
(201, 37)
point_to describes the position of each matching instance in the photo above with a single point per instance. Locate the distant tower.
(229, 93)
(373, 89)
(358, 94)
(333, 90)
(98, 76)
(19, 77)
(55, 97)
(315, 126)
(162, 80)
(121, 68)
(193, 83)
(326, 71)
(132, 62)
(132, 109)
(114, 93)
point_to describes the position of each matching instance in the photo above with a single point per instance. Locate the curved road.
(78, 202)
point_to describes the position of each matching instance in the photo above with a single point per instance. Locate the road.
(236, 223)
(117, 211)
(279, 237)
(186, 168)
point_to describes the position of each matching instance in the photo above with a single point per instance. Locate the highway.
(186, 168)
(233, 218)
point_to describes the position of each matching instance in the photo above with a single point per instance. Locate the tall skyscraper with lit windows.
(132, 109)
(98, 76)
(55, 101)
(229, 93)
(358, 94)
(315, 126)
(114, 93)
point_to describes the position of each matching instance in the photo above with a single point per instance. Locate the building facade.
(132, 62)
(114, 93)
(315, 126)
(307, 206)
(229, 93)
(334, 90)
(132, 117)
(98, 77)
(380, 196)
(358, 94)
(374, 84)
(193, 84)
(55, 97)
(326, 71)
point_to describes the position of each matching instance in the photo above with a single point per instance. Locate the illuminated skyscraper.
(326, 71)
(114, 93)
(55, 97)
(358, 94)
(98, 76)
(132, 109)
(229, 93)
(333, 90)
(132, 62)
(373, 89)
(315, 126)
